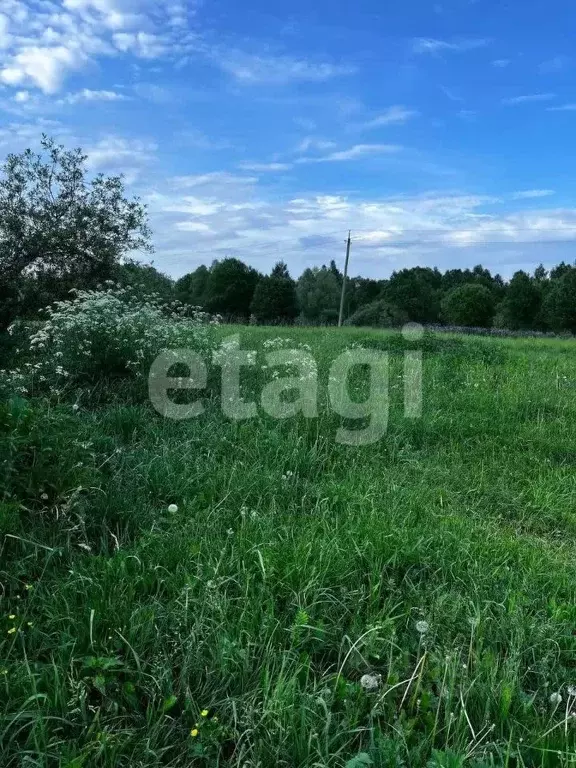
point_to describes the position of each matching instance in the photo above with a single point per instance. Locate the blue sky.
(441, 133)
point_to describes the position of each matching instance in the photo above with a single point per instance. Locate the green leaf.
(362, 759)
(169, 703)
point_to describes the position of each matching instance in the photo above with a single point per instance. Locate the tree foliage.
(230, 288)
(469, 305)
(275, 298)
(191, 288)
(318, 295)
(379, 314)
(417, 291)
(521, 306)
(57, 224)
(560, 303)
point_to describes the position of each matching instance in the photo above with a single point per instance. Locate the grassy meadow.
(235, 631)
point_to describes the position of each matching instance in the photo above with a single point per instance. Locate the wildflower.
(422, 627)
(12, 630)
(370, 682)
(75, 407)
(27, 586)
(173, 508)
(194, 732)
(12, 617)
(555, 699)
(44, 496)
(230, 532)
(204, 713)
(30, 623)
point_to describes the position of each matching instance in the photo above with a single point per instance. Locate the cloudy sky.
(441, 133)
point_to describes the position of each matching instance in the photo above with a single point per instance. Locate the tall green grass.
(235, 631)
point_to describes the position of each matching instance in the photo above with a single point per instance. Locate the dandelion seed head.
(172, 508)
(370, 682)
(422, 627)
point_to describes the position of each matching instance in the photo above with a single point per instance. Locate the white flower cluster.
(287, 352)
(109, 332)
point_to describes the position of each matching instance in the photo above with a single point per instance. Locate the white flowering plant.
(113, 332)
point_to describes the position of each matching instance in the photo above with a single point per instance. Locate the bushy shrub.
(106, 333)
(378, 314)
(469, 305)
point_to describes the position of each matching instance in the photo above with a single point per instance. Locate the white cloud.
(275, 70)
(557, 64)
(22, 97)
(501, 63)
(265, 166)
(193, 226)
(530, 98)
(313, 143)
(5, 37)
(529, 194)
(88, 95)
(41, 48)
(142, 44)
(562, 108)
(232, 215)
(354, 153)
(396, 115)
(216, 179)
(432, 45)
(44, 68)
(115, 154)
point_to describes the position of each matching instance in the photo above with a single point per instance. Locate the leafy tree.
(559, 270)
(540, 273)
(280, 270)
(361, 291)
(560, 304)
(191, 288)
(417, 291)
(469, 305)
(275, 297)
(230, 288)
(336, 272)
(378, 314)
(521, 306)
(57, 224)
(145, 279)
(318, 295)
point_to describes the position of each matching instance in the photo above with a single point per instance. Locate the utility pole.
(340, 316)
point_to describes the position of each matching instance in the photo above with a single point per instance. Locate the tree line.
(542, 301)
(62, 229)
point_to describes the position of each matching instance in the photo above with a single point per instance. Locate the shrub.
(107, 333)
(469, 305)
(378, 314)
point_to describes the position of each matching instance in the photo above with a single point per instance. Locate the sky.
(440, 132)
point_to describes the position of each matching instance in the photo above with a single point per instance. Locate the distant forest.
(542, 301)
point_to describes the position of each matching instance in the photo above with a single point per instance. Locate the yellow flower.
(12, 630)
(204, 713)
(30, 623)
(215, 719)
(11, 617)
(194, 732)
(27, 586)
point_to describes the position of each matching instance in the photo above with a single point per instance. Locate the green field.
(235, 631)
